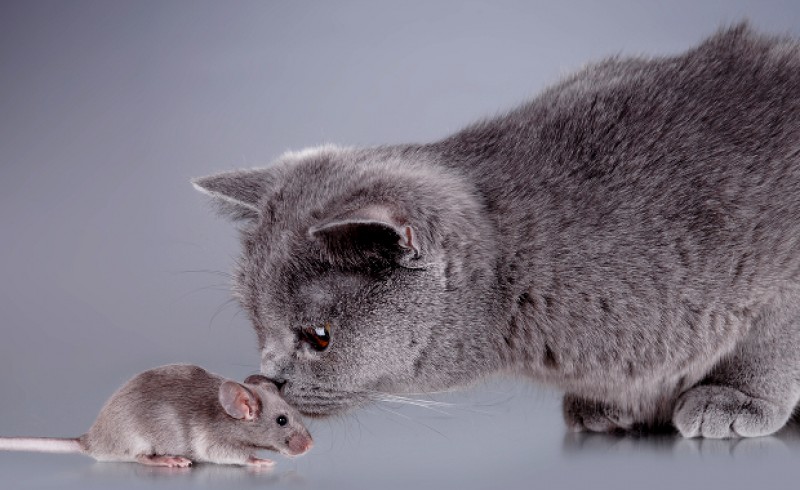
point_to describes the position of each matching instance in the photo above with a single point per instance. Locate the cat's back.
(712, 132)
(685, 162)
(738, 93)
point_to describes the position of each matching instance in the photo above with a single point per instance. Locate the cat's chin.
(319, 415)
(321, 404)
(321, 412)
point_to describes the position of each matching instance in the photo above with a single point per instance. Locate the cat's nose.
(280, 383)
(276, 368)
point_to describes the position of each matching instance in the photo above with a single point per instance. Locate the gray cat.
(631, 235)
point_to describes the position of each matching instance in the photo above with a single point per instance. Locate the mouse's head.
(265, 420)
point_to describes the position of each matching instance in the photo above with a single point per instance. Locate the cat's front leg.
(584, 415)
(718, 411)
(752, 392)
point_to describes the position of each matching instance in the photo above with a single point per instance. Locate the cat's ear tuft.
(237, 193)
(373, 233)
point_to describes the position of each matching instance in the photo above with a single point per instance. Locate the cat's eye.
(281, 420)
(318, 337)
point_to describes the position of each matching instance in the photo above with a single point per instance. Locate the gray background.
(109, 259)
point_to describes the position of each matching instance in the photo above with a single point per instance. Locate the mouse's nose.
(299, 444)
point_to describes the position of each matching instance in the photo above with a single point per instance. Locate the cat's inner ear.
(372, 232)
(237, 193)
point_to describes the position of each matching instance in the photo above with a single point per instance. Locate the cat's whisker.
(227, 275)
(406, 417)
(426, 393)
(429, 404)
(410, 402)
(220, 309)
(405, 398)
(211, 287)
(415, 401)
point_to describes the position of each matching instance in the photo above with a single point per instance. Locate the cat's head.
(363, 272)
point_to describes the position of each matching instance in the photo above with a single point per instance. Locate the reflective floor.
(111, 263)
(503, 435)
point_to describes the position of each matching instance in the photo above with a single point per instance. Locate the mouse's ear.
(238, 401)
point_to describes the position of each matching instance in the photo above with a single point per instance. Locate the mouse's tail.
(41, 444)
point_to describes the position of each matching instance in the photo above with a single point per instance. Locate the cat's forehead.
(328, 288)
(285, 267)
(316, 172)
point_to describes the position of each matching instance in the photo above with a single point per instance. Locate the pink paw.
(163, 460)
(261, 463)
(178, 462)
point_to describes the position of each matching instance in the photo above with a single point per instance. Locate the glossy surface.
(501, 436)
(111, 263)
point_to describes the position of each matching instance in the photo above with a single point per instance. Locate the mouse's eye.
(317, 337)
(282, 420)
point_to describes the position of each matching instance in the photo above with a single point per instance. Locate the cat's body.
(632, 236)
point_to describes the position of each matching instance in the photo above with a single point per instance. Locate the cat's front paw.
(717, 411)
(582, 415)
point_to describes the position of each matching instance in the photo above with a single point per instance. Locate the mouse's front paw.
(582, 415)
(717, 411)
(261, 463)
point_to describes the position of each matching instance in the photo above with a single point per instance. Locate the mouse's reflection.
(201, 474)
(669, 443)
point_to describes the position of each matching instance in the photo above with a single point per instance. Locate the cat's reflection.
(582, 443)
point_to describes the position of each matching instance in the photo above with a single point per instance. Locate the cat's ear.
(372, 232)
(237, 193)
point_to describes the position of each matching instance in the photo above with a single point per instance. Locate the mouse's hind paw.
(164, 460)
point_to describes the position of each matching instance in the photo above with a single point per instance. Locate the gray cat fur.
(631, 235)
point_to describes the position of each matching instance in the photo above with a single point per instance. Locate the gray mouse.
(177, 414)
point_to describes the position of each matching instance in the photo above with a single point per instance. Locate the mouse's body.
(174, 415)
